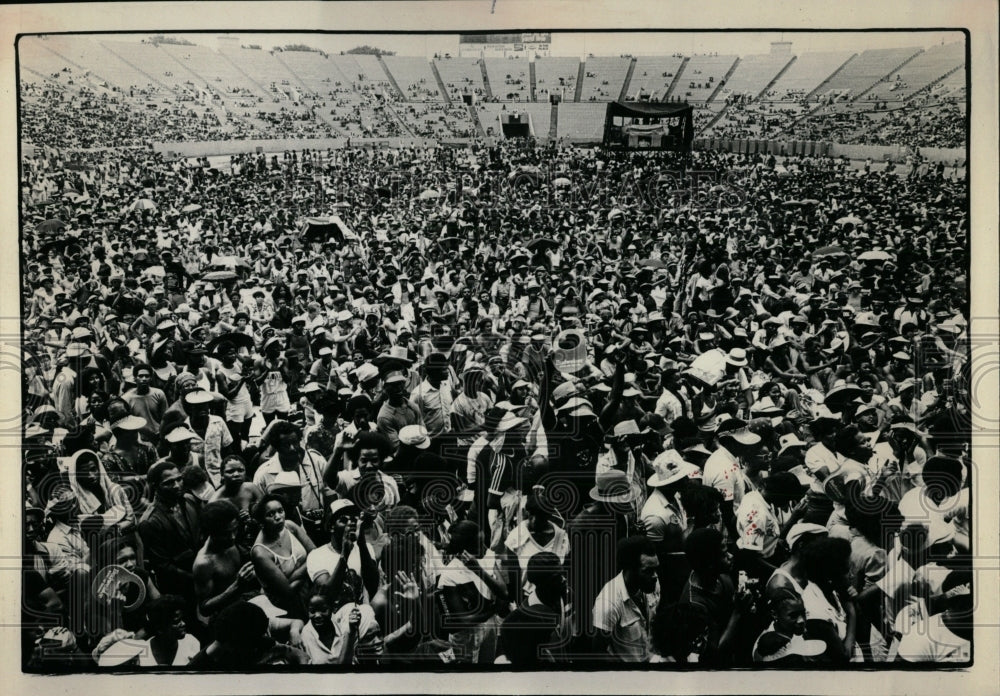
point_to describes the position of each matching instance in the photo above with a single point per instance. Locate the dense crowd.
(520, 405)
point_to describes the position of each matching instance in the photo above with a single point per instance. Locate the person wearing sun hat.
(612, 509)
(619, 455)
(270, 372)
(663, 515)
(146, 401)
(65, 542)
(397, 412)
(783, 643)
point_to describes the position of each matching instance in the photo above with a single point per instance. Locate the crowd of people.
(518, 406)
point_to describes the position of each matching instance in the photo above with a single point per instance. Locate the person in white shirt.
(348, 635)
(330, 564)
(434, 396)
(724, 468)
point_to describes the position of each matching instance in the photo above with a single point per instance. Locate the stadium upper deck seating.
(753, 74)
(930, 65)
(414, 77)
(603, 78)
(91, 56)
(805, 74)
(252, 93)
(653, 74)
(701, 76)
(509, 78)
(556, 76)
(461, 76)
(865, 70)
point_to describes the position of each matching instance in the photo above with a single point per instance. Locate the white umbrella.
(191, 208)
(429, 194)
(144, 204)
(562, 181)
(876, 255)
(849, 220)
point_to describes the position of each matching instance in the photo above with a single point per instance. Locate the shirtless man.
(221, 575)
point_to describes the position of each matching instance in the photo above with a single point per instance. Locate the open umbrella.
(322, 229)
(561, 181)
(429, 194)
(58, 245)
(228, 263)
(876, 255)
(52, 225)
(143, 204)
(652, 263)
(832, 250)
(240, 340)
(215, 276)
(191, 208)
(155, 271)
(541, 242)
(849, 220)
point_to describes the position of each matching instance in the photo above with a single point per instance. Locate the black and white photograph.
(494, 351)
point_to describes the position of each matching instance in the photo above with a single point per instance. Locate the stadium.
(495, 355)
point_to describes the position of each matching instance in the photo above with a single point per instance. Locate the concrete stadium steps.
(603, 78)
(488, 115)
(154, 62)
(508, 79)
(774, 80)
(553, 122)
(461, 76)
(486, 80)
(628, 79)
(436, 119)
(265, 69)
(821, 87)
(895, 70)
(867, 68)
(653, 75)
(414, 78)
(806, 75)
(474, 117)
(951, 86)
(37, 54)
(723, 82)
(531, 74)
(371, 73)
(549, 71)
(390, 108)
(318, 74)
(925, 69)
(578, 92)
(31, 76)
(701, 77)
(582, 121)
(91, 57)
(677, 79)
(753, 74)
(442, 88)
(215, 70)
(397, 92)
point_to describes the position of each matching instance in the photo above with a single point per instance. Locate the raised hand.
(409, 589)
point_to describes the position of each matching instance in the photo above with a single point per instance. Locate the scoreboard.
(501, 45)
